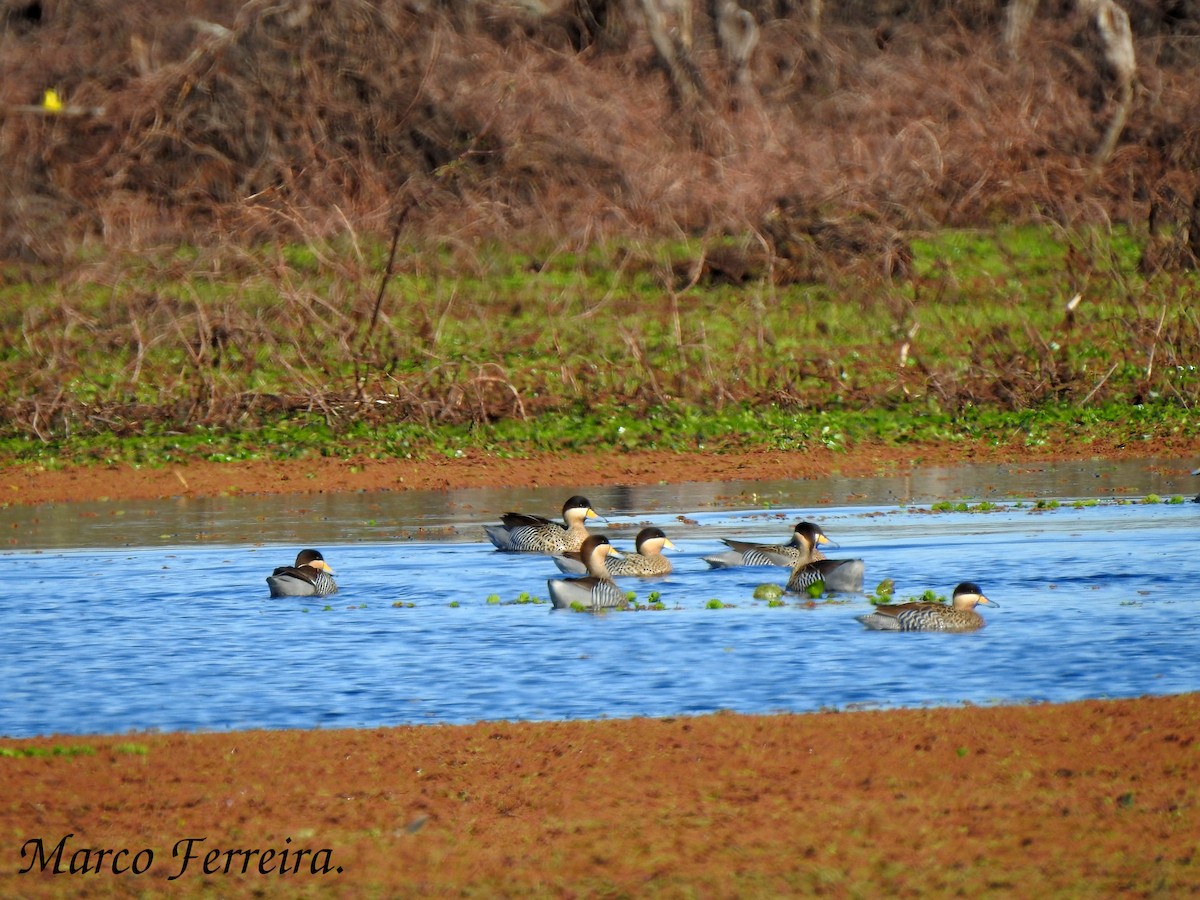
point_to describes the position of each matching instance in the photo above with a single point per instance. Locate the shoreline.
(911, 802)
(30, 484)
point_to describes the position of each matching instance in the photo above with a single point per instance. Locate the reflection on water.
(456, 515)
(156, 616)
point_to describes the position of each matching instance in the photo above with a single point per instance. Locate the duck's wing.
(918, 616)
(587, 593)
(524, 520)
(885, 617)
(837, 575)
(570, 562)
(744, 553)
(301, 581)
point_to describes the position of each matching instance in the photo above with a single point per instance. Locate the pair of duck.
(601, 561)
(810, 565)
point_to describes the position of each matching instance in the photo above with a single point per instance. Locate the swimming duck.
(837, 574)
(959, 616)
(523, 533)
(802, 548)
(311, 576)
(593, 591)
(646, 562)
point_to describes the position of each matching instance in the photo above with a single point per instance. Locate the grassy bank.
(325, 349)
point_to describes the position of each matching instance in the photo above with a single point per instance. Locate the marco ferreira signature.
(188, 854)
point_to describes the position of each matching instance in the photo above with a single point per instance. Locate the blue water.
(1099, 601)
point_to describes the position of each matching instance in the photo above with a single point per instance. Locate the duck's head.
(652, 540)
(313, 559)
(967, 595)
(593, 551)
(808, 536)
(578, 508)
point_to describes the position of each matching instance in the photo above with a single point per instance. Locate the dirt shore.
(1092, 799)
(1089, 799)
(32, 484)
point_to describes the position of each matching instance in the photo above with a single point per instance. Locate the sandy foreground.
(1090, 799)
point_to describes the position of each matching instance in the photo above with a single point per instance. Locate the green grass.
(57, 750)
(515, 351)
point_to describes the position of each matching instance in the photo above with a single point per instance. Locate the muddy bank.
(1083, 799)
(28, 484)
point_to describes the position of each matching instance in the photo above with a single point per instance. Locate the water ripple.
(1094, 602)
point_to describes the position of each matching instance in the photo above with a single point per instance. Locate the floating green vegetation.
(982, 506)
(882, 593)
(768, 592)
(57, 750)
(1046, 504)
(816, 590)
(714, 603)
(929, 595)
(1151, 499)
(403, 604)
(654, 601)
(453, 604)
(1081, 504)
(521, 599)
(776, 601)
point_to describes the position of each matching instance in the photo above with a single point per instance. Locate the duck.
(802, 548)
(523, 533)
(960, 615)
(836, 574)
(311, 576)
(594, 591)
(647, 562)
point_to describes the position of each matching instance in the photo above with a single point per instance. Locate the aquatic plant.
(963, 506)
